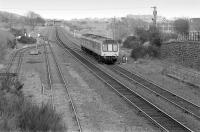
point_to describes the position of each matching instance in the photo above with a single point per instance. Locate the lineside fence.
(191, 36)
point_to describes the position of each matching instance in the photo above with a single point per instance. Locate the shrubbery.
(155, 38)
(11, 43)
(142, 51)
(17, 32)
(153, 51)
(131, 42)
(27, 40)
(138, 52)
(151, 36)
(18, 113)
(142, 34)
(44, 118)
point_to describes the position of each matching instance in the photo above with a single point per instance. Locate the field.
(6, 40)
(95, 27)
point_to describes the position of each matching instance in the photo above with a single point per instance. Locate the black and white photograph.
(100, 66)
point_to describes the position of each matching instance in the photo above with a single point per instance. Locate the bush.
(153, 51)
(17, 32)
(11, 84)
(18, 113)
(11, 43)
(182, 25)
(141, 51)
(2, 52)
(44, 118)
(131, 42)
(156, 41)
(27, 40)
(7, 40)
(155, 37)
(142, 34)
(138, 52)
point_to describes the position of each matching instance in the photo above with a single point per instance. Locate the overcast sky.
(68, 9)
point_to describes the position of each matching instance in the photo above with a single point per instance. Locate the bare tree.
(126, 26)
(33, 19)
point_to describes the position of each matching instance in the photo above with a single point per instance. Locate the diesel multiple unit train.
(104, 49)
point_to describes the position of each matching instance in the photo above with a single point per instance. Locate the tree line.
(12, 20)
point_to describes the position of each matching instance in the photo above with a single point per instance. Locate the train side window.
(98, 46)
(105, 47)
(115, 47)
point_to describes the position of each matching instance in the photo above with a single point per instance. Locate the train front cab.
(110, 51)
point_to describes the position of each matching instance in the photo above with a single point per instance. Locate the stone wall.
(184, 53)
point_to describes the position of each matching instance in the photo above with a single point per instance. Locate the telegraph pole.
(154, 16)
(113, 28)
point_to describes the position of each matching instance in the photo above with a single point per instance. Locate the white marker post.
(16, 38)
(37, 43)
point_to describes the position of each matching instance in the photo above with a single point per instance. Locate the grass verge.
(17, 113)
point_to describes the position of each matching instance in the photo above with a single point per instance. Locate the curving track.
(12, 60)
(19, 53)
(156, 115)
(186, 106)
(60, 74)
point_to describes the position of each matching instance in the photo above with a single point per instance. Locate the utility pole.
(11, 20)
(155, 15)
(113, 29)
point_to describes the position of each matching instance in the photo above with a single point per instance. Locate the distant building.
(194, 24)
(166, 26)
(49, 23)
(57, 22)
(54, 23)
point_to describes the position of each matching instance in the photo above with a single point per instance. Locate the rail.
(156, 115)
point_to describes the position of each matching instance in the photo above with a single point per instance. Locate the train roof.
(96, 37)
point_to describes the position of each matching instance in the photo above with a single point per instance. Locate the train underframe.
(101, 59)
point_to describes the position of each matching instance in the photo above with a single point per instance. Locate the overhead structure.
(54, 22)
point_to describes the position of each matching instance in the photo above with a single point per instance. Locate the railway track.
(65, 85)
(180, 102)
(19, 53)
(156, 115)
(19, 62)
(48, 71)
(12, 60)
(185, 105)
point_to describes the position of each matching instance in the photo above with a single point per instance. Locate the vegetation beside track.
(7, 40)
(19, 113)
